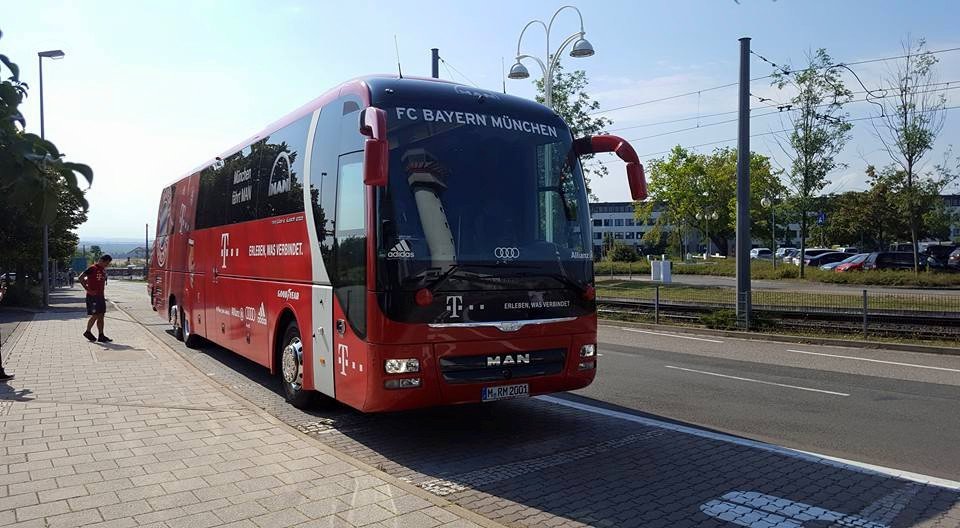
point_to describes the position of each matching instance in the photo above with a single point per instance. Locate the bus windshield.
(478, 191)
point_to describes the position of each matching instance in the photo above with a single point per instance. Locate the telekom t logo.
(454, 304)
(343, 353)
(224, 248)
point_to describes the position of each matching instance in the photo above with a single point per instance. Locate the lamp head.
(518, 71)
(52, 54)
(582, 48)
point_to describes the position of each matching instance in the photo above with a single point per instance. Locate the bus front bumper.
(462, 372)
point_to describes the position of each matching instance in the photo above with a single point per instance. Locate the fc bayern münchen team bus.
(395, 243)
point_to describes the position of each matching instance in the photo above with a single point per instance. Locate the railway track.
(883, 322)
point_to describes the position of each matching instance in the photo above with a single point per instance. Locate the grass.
(721, 295)
(760, 269)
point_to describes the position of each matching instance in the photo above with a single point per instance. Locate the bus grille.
(503, 366)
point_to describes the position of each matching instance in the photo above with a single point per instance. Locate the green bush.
(724, 319)
(760, 269)
(925, 279)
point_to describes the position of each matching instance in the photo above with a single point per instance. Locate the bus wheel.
(176, 319)
(291, 368)
(189, 339)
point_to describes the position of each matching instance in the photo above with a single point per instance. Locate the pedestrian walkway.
(128, 434)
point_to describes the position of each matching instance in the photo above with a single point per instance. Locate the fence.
(864, 312)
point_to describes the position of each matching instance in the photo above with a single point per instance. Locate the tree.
(572, 103)
(908, 127)
(622, 252)
(820, 131)
(37, 186)
(689, 188)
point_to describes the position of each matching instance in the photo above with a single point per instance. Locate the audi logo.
(506, 252)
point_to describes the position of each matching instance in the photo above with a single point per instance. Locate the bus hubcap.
(291, 362)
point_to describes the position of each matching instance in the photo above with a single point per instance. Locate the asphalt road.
(902, 414)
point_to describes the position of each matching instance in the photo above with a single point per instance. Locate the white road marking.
(850, 465)
(759, 510)
(875, 360)
(670, 335)
(757, 381)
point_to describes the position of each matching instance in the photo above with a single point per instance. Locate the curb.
(454, 509)
(756, 336)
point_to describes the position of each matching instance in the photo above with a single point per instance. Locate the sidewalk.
(129, 434)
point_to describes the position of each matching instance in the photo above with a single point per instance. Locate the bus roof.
(374, 87)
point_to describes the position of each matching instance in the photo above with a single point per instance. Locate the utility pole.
(743, 190)
(46, 227)
(435, 59)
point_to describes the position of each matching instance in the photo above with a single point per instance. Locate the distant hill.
(116, 248)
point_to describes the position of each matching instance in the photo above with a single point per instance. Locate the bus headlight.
(402, 366)
(588, 351)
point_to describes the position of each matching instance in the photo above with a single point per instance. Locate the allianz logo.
(401, 250)
(508, 359)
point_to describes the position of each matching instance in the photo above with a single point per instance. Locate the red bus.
(395, 243)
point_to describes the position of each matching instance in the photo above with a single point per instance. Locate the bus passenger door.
(349, 276)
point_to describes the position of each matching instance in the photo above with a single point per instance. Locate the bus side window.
(350, 278)
(280, 189)
(240, 170)
(213, 197)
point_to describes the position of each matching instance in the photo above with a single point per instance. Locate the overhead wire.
(730, 112)
(718, 87)
(776, 110)
(778, 132)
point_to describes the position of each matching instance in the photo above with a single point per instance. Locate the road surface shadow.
(531, 463)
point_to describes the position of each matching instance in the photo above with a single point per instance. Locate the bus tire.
(189, 339)
(291, 368)
(176, 320)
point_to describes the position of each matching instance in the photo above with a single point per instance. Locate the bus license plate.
(504, 392)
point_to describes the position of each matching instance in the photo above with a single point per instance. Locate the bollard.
(656, 306)
(864, 314)
(630, 270)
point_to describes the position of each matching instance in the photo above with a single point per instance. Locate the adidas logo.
(262, 315)
(401, 250)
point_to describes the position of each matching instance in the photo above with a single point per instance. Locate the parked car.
(782, 252)
(788, 253)
(889, 260)
(8, 278)
(900, 247)
(854, 263)
(825, 258)
(936, 256)
(953, 261)
(808, 254)
(761, 253)
(847, 249)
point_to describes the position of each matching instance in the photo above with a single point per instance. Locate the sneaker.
(104, 339)
(89, 336)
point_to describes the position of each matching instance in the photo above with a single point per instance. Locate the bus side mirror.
(620, 147)
(376, 150)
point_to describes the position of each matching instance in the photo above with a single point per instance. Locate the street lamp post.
(769, 202)
(706, 216)
(55, 55)
(581, 48)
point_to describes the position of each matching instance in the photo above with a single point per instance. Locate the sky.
(149, 90)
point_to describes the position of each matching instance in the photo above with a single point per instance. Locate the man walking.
(94, 280)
